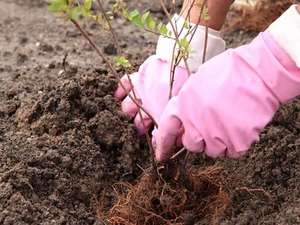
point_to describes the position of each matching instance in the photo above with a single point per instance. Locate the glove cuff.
(275, 67)
(215, 45)
(286, 32)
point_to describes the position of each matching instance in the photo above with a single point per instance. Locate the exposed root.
(199, 196)
(256, 17)
(256, 191)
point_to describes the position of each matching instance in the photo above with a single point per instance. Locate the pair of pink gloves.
(222, 107)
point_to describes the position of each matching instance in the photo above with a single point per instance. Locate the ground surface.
(63, 142)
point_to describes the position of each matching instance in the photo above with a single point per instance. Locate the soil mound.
(78, 146)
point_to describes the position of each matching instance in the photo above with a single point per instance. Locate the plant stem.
(133, 98)
(206, 31)
(148, 139)
(175, 63)
(132, 87)
(157, 33)
(178, 153)
(113, 33)
(174, 29)
(205, 44)
(111, 68)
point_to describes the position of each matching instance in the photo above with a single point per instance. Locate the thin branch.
(114, 35)
(188, 16)
(255, 190)
(157, 33)
(175, 63)
(206, 30)
(111, 68)
(174, 28)
(152, 153)
(173, 6)
(64, 62)
(178, 153)
(148, 139)
(205, 44)
(133, 98)
(172, 71)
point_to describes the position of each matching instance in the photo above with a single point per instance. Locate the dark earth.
(64, 142)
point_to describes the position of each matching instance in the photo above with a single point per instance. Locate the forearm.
(217, 11)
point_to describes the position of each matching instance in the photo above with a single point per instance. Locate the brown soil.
(259, 16)
(64, 143)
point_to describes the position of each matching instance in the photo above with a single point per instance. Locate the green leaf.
(133, 14)
(184, 47)
(136, 18)
(186, 25)
(88, 4)
(58, 6)
(205, 15)
(148, 21)
(137, 21)
(145, 16)
(122, 62)
(184, 43)
(162, 29)
(75, 13)
(151, 24)
(85, 12)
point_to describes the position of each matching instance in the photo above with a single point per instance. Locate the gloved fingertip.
(164, 147)
(141, 130)
(160, 156)
(166, 137)
(193, 141)
(123, 88)
(163, 151)
(142, 125)
(129, 108)
(119, 93)
(153, 143)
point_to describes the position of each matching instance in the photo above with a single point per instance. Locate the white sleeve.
(286, 32)
(215, 45)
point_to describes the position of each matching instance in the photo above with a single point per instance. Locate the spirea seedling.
(73, 10)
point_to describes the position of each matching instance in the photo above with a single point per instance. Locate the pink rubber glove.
(152, 81)
(223, 107)
(151, 84)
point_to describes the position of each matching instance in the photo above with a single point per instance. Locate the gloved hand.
(152, 82)
(224, 106)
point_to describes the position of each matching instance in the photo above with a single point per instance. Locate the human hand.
(151, 83)
(224, 106)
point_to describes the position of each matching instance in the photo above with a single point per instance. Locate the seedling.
(74, 10)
